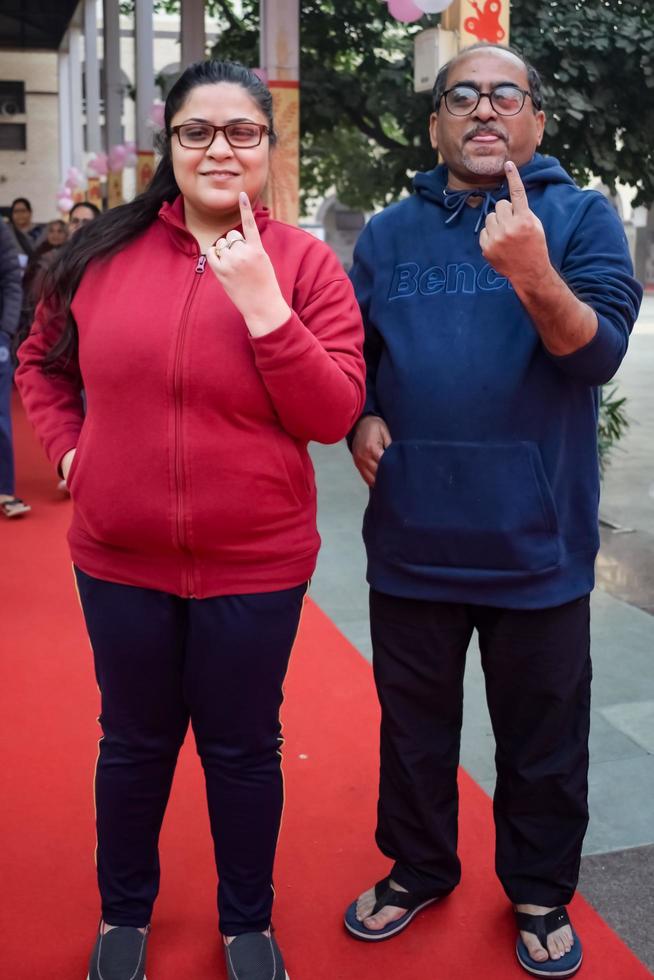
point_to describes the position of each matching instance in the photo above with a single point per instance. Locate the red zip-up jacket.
(192, 474)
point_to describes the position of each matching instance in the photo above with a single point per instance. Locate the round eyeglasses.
(506, 100)
(200, 136)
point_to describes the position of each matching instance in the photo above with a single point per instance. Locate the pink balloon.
(65, 203)
(74, 179)
(98, 165)
(117, 156)
(157, 114)
(131, 157)
(404, 10)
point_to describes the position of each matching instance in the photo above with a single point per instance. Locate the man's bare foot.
(390, 913)
(559, 942)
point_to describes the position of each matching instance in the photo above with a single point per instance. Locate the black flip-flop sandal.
(541, 926)
(385, 895)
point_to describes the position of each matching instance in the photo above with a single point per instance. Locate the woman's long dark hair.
(107, 234)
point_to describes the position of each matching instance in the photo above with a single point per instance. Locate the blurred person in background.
(80, 214)
(10, 303)
(26, 234)
(56, 235)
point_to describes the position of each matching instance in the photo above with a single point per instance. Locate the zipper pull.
(202, 261)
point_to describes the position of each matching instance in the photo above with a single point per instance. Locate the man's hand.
(513, 239)
(370, 440)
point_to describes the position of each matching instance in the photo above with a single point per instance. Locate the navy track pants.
(161, 661)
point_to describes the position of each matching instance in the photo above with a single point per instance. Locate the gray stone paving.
(619, 886)
(628, 490)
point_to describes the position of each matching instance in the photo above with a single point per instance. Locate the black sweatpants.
(161, 660)
(537, 669)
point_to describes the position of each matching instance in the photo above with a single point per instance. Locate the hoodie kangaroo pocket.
(464, 505)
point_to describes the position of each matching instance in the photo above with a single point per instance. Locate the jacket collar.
(171, 214)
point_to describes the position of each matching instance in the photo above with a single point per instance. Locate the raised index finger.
(517, 191)
(250, 230)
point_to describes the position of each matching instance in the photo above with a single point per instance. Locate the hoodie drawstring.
(455, 201)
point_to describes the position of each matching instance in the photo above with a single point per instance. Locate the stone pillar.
(280, 60)
(112, 94)
(63, 75)
(144, 73)
(193, 39)
(92, 77)
(75, 97)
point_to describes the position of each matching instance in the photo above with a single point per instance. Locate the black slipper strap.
(386, 895)
(542, 925)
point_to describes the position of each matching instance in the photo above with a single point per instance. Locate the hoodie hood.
(432, 186)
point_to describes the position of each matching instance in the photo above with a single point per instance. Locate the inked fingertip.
(244, 199)
(509, 167)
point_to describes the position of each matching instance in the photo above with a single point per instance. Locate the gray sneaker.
(119, 954)
(254, 956)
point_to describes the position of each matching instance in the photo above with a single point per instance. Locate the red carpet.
(49, 908)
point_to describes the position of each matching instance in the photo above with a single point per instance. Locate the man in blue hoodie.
(497, 299)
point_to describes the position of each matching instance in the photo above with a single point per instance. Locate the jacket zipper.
(179, 455)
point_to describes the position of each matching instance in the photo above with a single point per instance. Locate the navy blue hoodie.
(489, 491)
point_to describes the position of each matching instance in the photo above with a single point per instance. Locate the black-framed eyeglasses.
(200, 136)
(506, 100)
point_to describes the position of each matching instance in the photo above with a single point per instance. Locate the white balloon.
(433, 6)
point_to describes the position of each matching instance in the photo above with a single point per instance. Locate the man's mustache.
(485, 130)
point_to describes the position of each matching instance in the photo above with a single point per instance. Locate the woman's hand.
(242, 266)
(66, 463)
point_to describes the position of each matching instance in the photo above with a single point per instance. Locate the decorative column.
(193, 38)
(92, 89)
(63, 73)
(112, 94)
(75, 96)
(144, 65)
(280, 60)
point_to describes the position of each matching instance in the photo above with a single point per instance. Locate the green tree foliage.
(364, 130)
(597, 60)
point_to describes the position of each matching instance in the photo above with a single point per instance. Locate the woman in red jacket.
(212, 343)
